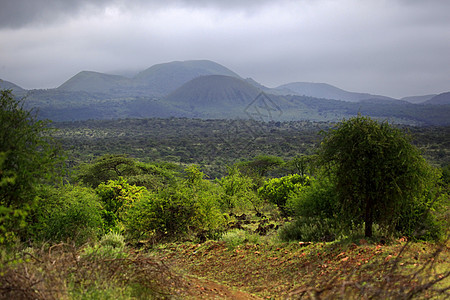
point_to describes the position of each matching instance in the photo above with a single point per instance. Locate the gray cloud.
(20, 13)
(392, 47)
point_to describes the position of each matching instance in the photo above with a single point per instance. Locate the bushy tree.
(68, 213)
(28, 157)
(260, 165)
(106, 167)
(117, 196)
(278, 190)
(238, 190)
(189, 207)
(376, 170)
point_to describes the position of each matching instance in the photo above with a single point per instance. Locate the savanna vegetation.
(134, 209)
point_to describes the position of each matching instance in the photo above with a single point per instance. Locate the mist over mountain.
(326, 91)
(441, 99)
(158, 80)
(6, 85)
(418, 99)
(205, 89)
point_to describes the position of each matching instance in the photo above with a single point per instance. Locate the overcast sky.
(395, 48)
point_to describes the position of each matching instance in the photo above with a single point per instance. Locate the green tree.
(260, 165)
(117, 196)
(28, 157)
(376, 170)
(278, 190)
(107, 167)
(238, 190)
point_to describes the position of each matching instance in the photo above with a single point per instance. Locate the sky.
(395, 48)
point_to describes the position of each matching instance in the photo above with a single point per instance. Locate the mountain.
(17, 90)
(158, 80)
(165, 78)
(441, 99)
(205, 89)
(95, 82)
(326, 91)
(214, 94)
(418, 99)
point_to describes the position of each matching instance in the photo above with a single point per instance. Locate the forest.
(234, 209)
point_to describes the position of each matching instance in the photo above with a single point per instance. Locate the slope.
(327, 91)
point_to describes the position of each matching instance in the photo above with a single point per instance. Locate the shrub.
(316, 211)
(237, 191)
(278, 190)
(69, 213)
(236, 237)
(117, 196)
(28, 158)
(190, 207)
(310, 229)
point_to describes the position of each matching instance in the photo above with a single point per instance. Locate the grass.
(321, 270)
(65, 272)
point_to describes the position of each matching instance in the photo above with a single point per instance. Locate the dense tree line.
(214, 144)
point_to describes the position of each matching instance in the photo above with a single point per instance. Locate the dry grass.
(63, 272)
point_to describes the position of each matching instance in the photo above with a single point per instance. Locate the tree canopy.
(376, 169)
(27, 157)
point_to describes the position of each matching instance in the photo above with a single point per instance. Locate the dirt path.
(206, 289)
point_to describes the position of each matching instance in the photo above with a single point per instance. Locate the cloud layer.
(397, 48)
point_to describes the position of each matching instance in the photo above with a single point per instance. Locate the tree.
(260, 165)
(28, 157)
(107, 167)
(376, 170)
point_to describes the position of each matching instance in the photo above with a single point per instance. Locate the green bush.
(28, 157)
(278, 190)
(236, 237)
(316, 211)
(237, 191)
(310, 229)
(426, 218)
(111, 246)
(117, 196)
(69, 213)
(190, 208)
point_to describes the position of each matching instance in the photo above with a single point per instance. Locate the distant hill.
(214, 89)
(158, 80)
(418, 99)
(441, 99)
(165, 78)
(95, 82)
(205, 89)
(326, 91)
(6, 85)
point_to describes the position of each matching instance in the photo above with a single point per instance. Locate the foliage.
(236, 237)
(260, 165)
(238, 191)
(310, 229)
(376, 170)
(111, 246)
(190, 207)
(303, 164)
(318, 199)
(316, 213)
(278, 190)
(117, 196)
(106, 167)
(427, 217)
(213, 144)
(28, 156)
(68, 213)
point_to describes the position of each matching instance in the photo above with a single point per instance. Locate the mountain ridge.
(206, 89)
